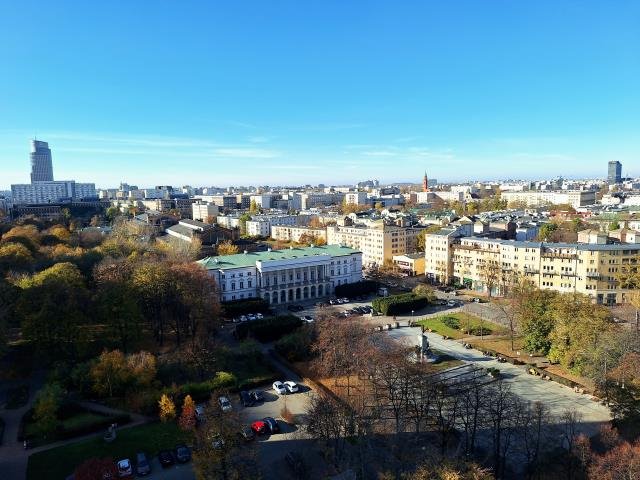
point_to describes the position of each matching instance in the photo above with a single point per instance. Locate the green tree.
(118, 309)
(615, 225)
(45, 410)
(53, 309)
(15, 257)
(578, 325)
(253, 207)
(8, 298)
(547, 231)
(242, 222)
(533, 312)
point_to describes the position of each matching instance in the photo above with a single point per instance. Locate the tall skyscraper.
(615, 172)
(41, 165)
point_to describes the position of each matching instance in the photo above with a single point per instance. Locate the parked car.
(166, 458)
(259, 427)
(124, 468)
(308, 318)
(345, 300)
(279, 388)
(246, 399)
(251, 317)
(225, 404)
(296, 464)
(257, 395)
(272, 424)
(183, 454)
(247, 433)
(243, 318)
(200, 417)
(333, 301)
(217, 442)
(291, 386)
(259, 316)
(452, 303)
(143, 467)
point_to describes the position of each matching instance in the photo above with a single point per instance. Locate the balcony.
(570, 256)
(593, 275)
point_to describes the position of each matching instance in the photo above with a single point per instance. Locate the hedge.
(201, 392)
(268, 329)
(402, 303)
(356, 289)
(235, 308)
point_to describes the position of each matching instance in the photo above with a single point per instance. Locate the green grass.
(465, 321)
(61, 461)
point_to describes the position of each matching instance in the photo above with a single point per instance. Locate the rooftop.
(249, 259)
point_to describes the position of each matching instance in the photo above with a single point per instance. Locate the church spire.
(425, 182)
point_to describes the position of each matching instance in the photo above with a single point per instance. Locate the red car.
(259, 427)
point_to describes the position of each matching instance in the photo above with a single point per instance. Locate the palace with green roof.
(284, 276)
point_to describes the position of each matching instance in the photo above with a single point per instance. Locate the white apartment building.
(258, 228)
(51, 192)
(538, 198)
(355, 198)
(378, 243)
(203, 210)
(284, 276)
(292, 233)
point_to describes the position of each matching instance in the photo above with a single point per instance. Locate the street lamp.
(411, 317)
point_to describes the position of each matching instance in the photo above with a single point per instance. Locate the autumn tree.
(96, 469)
(227, 248)
(110, 373)
(187, 420)
(118, 309)
(620, 463)
(166, 408)
(220, 453)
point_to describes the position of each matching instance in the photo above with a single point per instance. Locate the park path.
(13, 456)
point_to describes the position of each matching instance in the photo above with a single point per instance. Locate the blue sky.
(284, 92)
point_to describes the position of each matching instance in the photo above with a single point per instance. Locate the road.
(532, 388)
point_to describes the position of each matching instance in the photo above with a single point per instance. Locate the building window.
(249, 283)
(241, 285)
(233, 285)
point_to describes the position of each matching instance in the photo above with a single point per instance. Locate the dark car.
(247, 433)
(183, 454)
(257, 395)
(296, 464)
(246, 399)
(143, 467)
(272, 424)
(166, 458)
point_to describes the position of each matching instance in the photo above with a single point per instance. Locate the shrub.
(295, 346)
(451, 322)
(395, 304)
(355, 289)
(201, 392)
(268, 329)
(235, 308)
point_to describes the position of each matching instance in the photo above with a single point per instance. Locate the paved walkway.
(556, 396)
(13, 456)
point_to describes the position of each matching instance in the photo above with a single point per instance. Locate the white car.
(308, 319)
(243, 318)
(124, 468)
(251, 317)
(225, 404)
(259, 316)
(291, 386)
(279, 388)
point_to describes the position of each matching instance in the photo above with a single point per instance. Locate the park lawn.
(466, 321)
(61, 461)
(444, 362)
(503, 346)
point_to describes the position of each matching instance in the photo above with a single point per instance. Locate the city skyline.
(331, 93)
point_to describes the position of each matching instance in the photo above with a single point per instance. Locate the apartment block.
(539, 198)
(291, 233)
(591, 269)
(378, 243)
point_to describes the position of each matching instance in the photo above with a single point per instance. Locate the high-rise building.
(614, 172)
(41, 165)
